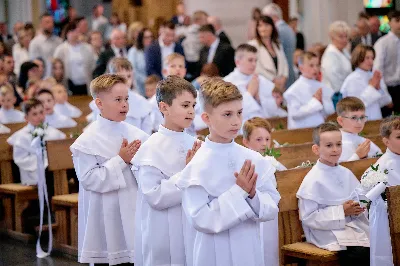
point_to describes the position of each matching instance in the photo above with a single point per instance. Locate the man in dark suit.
(215, 51)
(180, 18)
(365, 37)
(217, 24)
(374, 28)
(117, 48)
(293, 23)
(156, 53)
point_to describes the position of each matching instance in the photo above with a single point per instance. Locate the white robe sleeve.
(160, 193)
(385, 96)
(299, 111)
(70, 123)
(215, 215)
(374, 150)
(99, 177)
(24, 159)
(379, 56)
(328, 218)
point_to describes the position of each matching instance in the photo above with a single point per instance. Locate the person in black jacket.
(217, 24)
(215, 51)
(300, 44)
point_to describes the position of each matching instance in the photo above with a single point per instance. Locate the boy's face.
(352, 122)
(310, 68)
(35, 116)
(175, 68)
(259, 140)
(150, 90)
(60, 94)
(393, 141)
(114, 105)
(8, 101)
(58, 70)
(247, 63)
(368, 62)
(48, 102)
(395, 26)
(128, 75)
(181, 113)
(224, 121)
(329, 148)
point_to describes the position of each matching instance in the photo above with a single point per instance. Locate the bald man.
(117, 49)
(216, 22)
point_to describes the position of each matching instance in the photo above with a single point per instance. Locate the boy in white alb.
(390, 132)
(227, 189)
(8, 114)
(258, 100)
(23, 155)
(309, 101)
(107, 187)
(329, 206)
(53, 118)
(62, 105)
(352, 118)
(164, 231)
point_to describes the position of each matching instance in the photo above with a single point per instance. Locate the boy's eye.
(228, 114)
(185, 105)
(240, 112)
(329, 145)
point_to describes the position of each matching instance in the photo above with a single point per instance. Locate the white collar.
(215, 44)
(220, 147)
(108, 125)
(392, 154)
(116, 49)
(170, 133)
(393, 35)
(218, 32)
(162, 45)
(362, 71)
(241, 75)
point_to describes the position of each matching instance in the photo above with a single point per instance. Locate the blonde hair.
(253, 123)
(5, 89)
(215, 91)
(388, 125)
(104, 83)
(133, 29)
(306, 56)
(172, 57)
(349, 104)
(338, 27)
(117, 64)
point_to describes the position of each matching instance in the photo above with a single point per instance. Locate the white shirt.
(11, 116)
(76, 64)
(117, 51)
(321, 196)
(335, 67)
(25, 156)
(4, 129)
(366, 40)
(350, 144)
(191, 43)
(390, 161)
(387, 58)
(98, 22)
(357, 85)
(165, 51)
(67, 109)
(20, 55)
(58, 120)
(304, 110)
(212, 51)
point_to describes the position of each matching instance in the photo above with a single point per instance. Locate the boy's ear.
(245, 142)
(385, 141)
(98, 102)
(315, 149)
(301, 68)
(339, 119)
(206, 118)
(163, 108)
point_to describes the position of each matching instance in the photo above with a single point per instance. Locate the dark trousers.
(395, 93)
(77, 89)
(193, 70)
(354, 256)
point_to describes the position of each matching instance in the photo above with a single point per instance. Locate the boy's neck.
(108, 119)
(218, 139)
(242, 72)
(7, 109)
(328, 163)
(348, 131)
(307, 77)
(173, 127)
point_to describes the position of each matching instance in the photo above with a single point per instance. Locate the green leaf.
(362, 134)
(272, 152)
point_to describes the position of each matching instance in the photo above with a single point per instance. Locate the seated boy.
(107, 187)
(53, 118)
(62, 105)
(309, 101)
(164, 231)
(256, 90)
(8, 114)
(331, 218)
(351, 117)
(390, 132)
(227, 189)
(23, 155)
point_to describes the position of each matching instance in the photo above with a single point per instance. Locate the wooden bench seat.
(309, 252)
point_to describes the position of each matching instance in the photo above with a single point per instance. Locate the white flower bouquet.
(374, 181)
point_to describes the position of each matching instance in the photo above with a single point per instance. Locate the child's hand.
(247, 177)
(278, 98)
(253, 191)
(351, 207)
(190, 154)
(128, 150)
(253, 85)
(318, 95)
(375, 80)
(363, 149)
(280, 82)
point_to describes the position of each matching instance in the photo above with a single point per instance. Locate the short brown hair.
(215, 91)
(5, 89)
(209, 70)
(117, 64)
(306, 56)
(104, 83)
(168, 89)
(324, 127)
(28, 105)
(173, 56)
(152, 79)
(359, 53)
(244, 48)
(253, 123)
(388, 125)
(207, 28)
(349, 104)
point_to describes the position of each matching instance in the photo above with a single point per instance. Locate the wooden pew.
(393, 202)
(64, 204)
(82, 102)
(292, 249)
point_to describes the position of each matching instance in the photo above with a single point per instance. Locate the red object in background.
(53, 4)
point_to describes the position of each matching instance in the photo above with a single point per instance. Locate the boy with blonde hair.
(352, 118)
(8, 114)
(227, 188)
(62, 105)
(102, 158)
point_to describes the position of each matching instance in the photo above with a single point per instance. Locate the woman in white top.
(335, 63)
(366, 85)
(20, 51)
(114, 23)
(272, 62)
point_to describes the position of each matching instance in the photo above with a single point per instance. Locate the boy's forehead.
(176, 61)
(329, 136)
(185, 96)
(354, 113)
(247, 54)
(234, 105)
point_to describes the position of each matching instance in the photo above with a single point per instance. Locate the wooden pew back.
(293, 136)
(6, 157)
(393, 200)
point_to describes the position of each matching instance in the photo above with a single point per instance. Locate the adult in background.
(387, 59)
(272, 62)
(45, 43)
(114, 23)
(117, 49)
(133, 31)
(98, 20)
(374, 27)
(138, 60)
(83, 28)
(365, 37)
(158, 51)
(20, 50)
(29, 73)
(219, 31)
(252, 25)
(96, 42)
(78, 60)
(19, 25)
(286, 36)
(8, 69)
(5, 36)
(300, 43)
(180, 17)
(335, 63)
